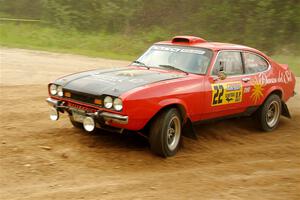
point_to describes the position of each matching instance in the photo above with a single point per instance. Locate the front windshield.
(188, 59)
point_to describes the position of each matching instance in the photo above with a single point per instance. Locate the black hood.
(113, 81)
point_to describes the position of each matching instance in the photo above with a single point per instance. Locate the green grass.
(114, 46)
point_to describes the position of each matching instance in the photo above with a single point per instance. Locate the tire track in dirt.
(231, 159)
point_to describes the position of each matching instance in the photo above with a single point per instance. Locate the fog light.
(54, 115)
(89, 124)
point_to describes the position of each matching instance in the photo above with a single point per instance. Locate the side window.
(230, 62)
(254, 63)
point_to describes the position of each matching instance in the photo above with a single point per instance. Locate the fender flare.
(174, 101)
(187, 129)
(274, 89)
(285, 111)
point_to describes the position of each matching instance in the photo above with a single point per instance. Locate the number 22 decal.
(217, 99)
(226, 93)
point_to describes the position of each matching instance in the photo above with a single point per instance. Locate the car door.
(225, 95)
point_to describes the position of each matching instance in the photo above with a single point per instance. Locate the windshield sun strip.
(188, 47)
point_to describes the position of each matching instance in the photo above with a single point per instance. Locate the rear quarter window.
(254, 63)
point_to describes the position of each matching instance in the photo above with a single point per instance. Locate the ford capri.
(171, 87)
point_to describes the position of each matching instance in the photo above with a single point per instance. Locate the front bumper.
(99, 116)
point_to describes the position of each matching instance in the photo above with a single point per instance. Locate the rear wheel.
(165, 133)
(269, 113)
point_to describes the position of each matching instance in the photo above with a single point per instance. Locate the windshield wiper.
(174, 68)
(141, 64)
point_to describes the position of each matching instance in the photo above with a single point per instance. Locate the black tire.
(268, 119)
(75, 124)
(165, 133)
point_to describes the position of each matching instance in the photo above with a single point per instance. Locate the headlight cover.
(108, 102)
(60, 91)
(53, 89)
(118, 104)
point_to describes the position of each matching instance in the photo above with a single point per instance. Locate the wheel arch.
(179, 107)
(168, 104)
(270, 92)
(174, 103)
(285, 111)
(274, 90)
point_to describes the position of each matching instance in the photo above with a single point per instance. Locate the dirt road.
(40, 159)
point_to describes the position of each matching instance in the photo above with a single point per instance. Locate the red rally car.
(173, 85)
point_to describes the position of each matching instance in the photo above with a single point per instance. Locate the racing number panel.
(226, 93)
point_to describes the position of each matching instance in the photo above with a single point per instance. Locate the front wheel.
(165, 133)
(269, 113)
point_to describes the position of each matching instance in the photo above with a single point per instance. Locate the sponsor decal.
(283, 77)
(226, 93)
(80, 107)
(247, 90)
(131, 73)
(262, 80)
(257, 90)
(109, 79)
(174, 49)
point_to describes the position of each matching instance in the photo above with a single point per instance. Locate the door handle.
(246, 79)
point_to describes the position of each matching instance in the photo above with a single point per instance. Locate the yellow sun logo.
(257, 91)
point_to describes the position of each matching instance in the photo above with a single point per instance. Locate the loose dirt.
(41, 159)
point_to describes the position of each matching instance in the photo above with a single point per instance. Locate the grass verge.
(114, 46)
(292, 61)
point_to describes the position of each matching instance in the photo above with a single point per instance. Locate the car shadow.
(218, 130)
(128, 139)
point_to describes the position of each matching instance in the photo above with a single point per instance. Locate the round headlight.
(53, 89)
(118, 105)
(60, 91)
(108, 102)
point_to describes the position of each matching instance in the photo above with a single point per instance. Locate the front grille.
(80, 107)
(82, 98)
(85, 98)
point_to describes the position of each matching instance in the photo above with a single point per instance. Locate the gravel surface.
(40, 159)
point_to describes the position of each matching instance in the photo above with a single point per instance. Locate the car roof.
(193, 41)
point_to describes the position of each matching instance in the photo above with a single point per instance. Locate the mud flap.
(285, 111)
(189, 131)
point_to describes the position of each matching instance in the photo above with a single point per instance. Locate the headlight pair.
(56, 90)
(116, 103)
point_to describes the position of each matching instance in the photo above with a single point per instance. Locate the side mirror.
(221, 64)
(222, 75)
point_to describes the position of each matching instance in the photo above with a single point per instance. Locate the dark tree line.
(266, 24)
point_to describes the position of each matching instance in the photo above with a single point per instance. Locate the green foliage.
(21, 8)
(90, 15)
(292, 61)
(272, 26)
